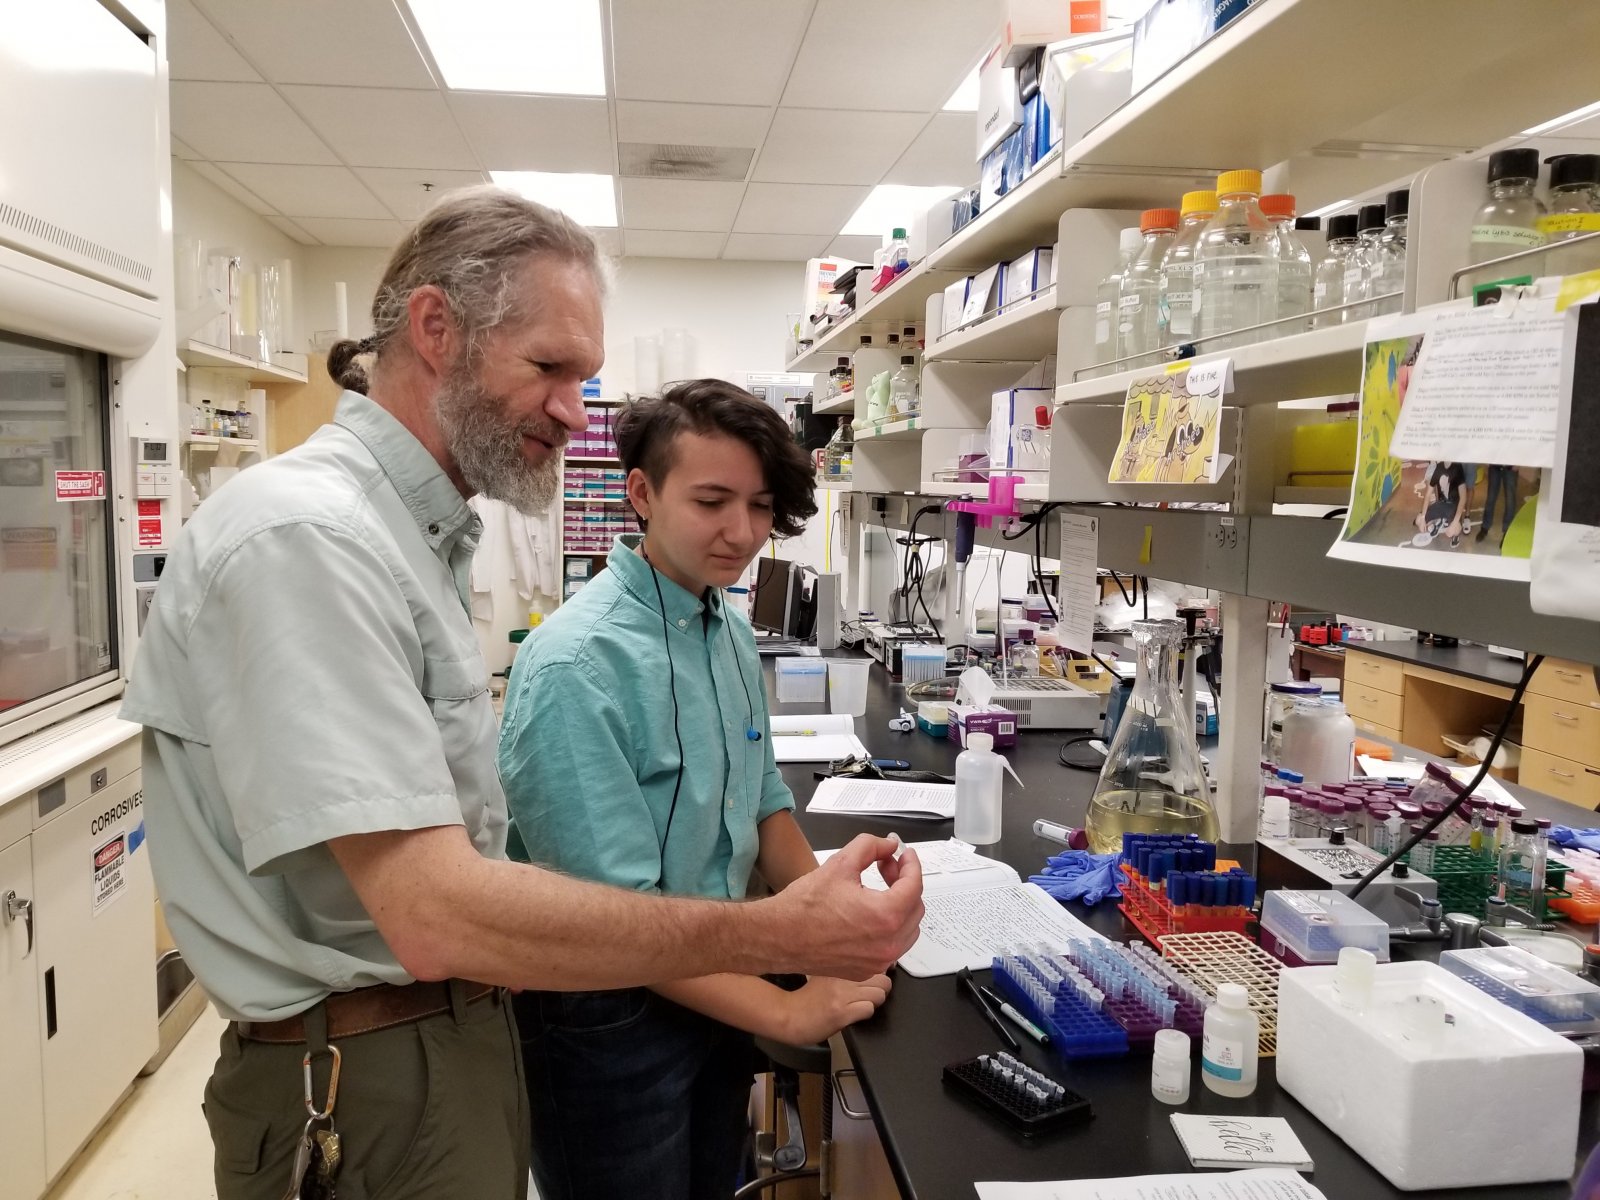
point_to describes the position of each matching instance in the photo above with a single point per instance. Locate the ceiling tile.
(361, 43)
(857, 247)
(780, 247)
(692, 124)
(682, 204)
(332, 231)
(666, 51)
(183, 150)
(215, 174)
(290, 229)
(655, 243)
(935, 43)
(941, 155)
(195, 50)
(384, 127)
(243, 122)
(309, 191)
(797, 207)
(536, 133)
(403, 194)
(819, 145)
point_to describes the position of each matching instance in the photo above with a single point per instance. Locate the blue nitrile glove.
(1567, 838)
(1079, 875)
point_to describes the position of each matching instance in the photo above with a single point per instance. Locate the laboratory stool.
(788, 1161)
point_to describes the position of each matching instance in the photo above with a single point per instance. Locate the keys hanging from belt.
(319, 1152)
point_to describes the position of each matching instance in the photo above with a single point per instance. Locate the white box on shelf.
(1440, 1048)
(821, 274)
(955, 299)
(999, 106)
(1009, 408)
(1029, 274)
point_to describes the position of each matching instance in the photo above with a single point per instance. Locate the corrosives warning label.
(110, 872)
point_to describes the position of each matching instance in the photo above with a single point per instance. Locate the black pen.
(964, 976)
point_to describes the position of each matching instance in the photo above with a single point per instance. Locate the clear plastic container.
(1281, 699)
(1229, 1058)
(1294, 262)
(1316, 925)
(1319, 741)
(1361, 268)
(1391, 254)
(1574, 211)
(1177, 268)
(1549, 994)
(1109, 295)
(1236, 270)
(898, 259)
(1327, 287)
(904, 398)
(802, 681)
(1025, 654)
(1152, 780)
(1170, 1067)
(1509, 218)
(1522, 864)
(1139, 303)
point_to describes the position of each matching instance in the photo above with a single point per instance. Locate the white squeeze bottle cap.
(983, 743)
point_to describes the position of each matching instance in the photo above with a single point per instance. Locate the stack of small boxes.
(595, 505)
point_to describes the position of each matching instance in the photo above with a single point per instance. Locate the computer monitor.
(774, 593)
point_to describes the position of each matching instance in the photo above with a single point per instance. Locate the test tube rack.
(1212, 959)
(1467, 878)
(1101, 997)
(1148, 905)
(1581, 903)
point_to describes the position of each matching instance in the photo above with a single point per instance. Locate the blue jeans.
(1502, 481)
(632, 1095)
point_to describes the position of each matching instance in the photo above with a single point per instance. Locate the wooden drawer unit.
(1371, 671)
(1565, 680)
(1564, 728)
(1370, 707)
(1561, 778)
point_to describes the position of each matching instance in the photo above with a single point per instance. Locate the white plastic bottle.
(1139, 306)
(1177, 268)
(978, 770)
(1109, 294)
(1232, 1043)
(1169, 1067)
(1236, 272)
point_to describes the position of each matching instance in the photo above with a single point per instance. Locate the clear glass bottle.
(1522, 865)
(1574, 211)
(1152, 781)
(1139, 305)
(1360, 269)
(1294, 263)
(1177, 268)
(904, 399)
(1236, 270)
(1327, 287)
(1509, 218)
(1025, 654)
(841, 380)
(1109, 293)
(1391, 272)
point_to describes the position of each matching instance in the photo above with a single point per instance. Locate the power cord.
(1483, 770)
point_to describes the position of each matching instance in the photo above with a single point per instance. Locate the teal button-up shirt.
(588, 755)
(308, 670)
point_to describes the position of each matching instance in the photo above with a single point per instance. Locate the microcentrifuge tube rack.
(1212, 959)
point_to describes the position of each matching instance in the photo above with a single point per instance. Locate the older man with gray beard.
(327, 829)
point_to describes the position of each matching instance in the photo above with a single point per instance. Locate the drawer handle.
(14, 907)
(1567, 717)
(1562, 774)
(1566, 674)
(838, 1090)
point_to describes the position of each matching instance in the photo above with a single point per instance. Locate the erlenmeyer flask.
(1152, 781)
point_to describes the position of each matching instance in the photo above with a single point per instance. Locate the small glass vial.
(1422, 854)
(1509, 218)
(1574, 211)
(1522, 863)
(1232, 1043)
(1170, 1067)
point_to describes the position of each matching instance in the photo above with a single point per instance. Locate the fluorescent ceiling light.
(588, 199)
(1327, 210)
(965, 97)
(1576, 114)
(551, 47)
(892, 204)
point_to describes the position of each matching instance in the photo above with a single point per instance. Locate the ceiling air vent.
(651, 160)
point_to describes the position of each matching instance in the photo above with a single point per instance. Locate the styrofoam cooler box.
(1433, 1082)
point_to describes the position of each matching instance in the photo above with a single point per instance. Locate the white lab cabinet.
(21, 1082)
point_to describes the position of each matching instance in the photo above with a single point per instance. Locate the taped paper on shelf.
(1172, 425)
(1080, 583)
(1427, 515)
(1566, 545)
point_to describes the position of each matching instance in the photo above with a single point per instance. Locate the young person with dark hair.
(636, 750)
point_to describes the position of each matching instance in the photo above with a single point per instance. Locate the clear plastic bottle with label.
(1574, 211)
(1294, 263)
(1230, 1056)
(1236, 271)
(1139, 303)
(1391, 254)
(1177, 268)
(1109, 293)
(1509, 218)
(904, 397)
(1327, 286)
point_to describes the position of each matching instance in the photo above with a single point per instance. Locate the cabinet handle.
(1562, 774)
(1566, 674)
(1567, 717)
(15, 906)
(838, 1090)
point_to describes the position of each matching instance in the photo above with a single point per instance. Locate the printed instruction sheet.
(1264, 1184)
